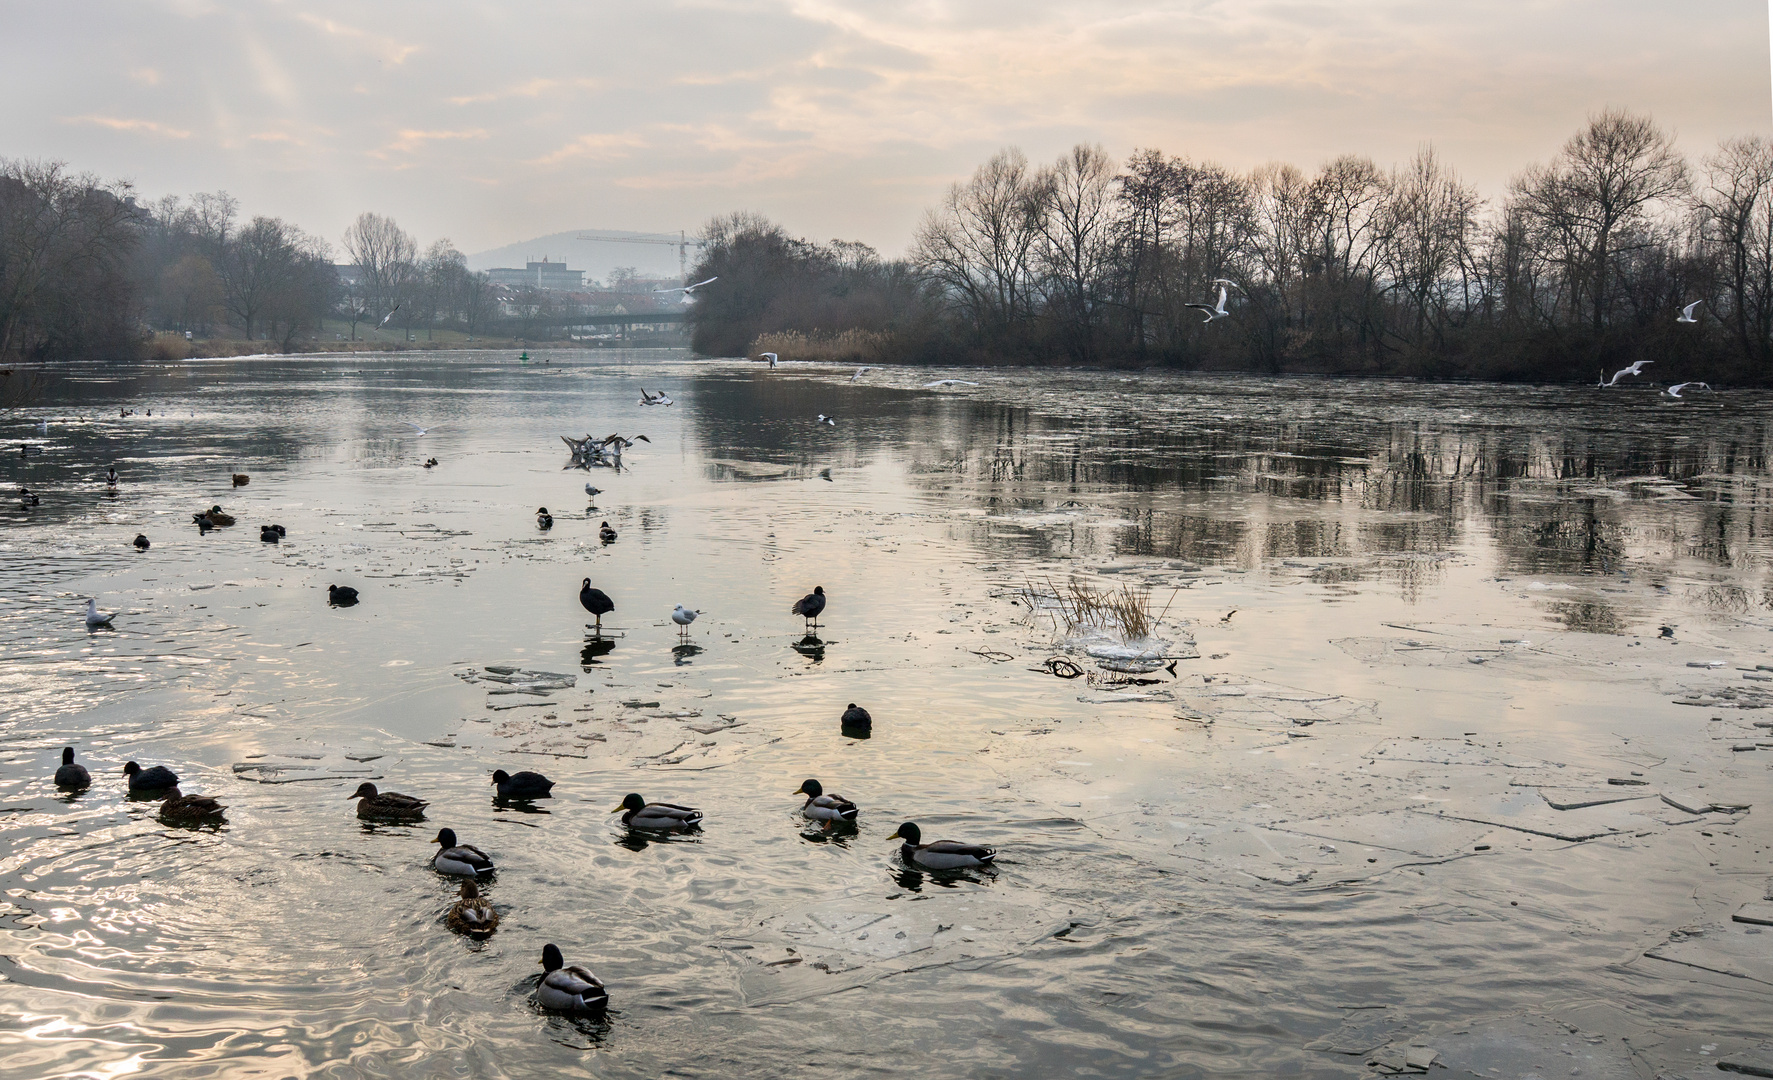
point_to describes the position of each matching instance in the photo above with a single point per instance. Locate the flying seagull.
(654, 399)
(1687, 312)
(1218, 312)
(823, 419)
(770, 356)
(388, 316)
(422, 431)
(861, 371)
(1675, 390)
(1637, 368)
(687, 289)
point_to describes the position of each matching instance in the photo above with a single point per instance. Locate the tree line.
(87, 270)
(1584, 264)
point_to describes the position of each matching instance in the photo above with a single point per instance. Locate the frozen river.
(1466, 758)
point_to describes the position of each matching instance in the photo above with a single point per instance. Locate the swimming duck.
(218, 518)
(270, 534)
(430, 463)
(203, 523)
(94, 620)
(373, 805)
(190, 809)
(940, 854)
(569, 988)
(606, 534)
(596, 601)
(857, 717)
(827, 808)
(657, 817)
(27, 497)
(472, 914)
(241, 479)
(111, 476)
(809, 606)
(71, 775)
(158, 778)
(544, 520)
(525, 785)
(341, 595)
(141, 542)
(459, 859)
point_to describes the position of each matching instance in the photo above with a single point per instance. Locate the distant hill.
(596, 258)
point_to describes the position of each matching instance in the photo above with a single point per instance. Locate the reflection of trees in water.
(1588, 616)
(1560, 483)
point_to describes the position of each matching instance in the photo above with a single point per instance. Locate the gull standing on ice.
(1687, 312)
(683, 617)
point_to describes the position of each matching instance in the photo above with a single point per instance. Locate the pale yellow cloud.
(599, 145)
(412, 139)
(532, 88)
(119, 123)
(388, 49)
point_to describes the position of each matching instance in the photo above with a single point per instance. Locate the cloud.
(530, 89)
(119, 123)
(388, 49)
(411, 139)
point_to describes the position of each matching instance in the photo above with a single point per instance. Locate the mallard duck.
(940, 854)
(203, 523)
(544, 520)
(158, 778)
(270, 534)
(472, 914)
(459, 859)
(71, 775)
(857, 717)
(606, 534)
(525, 785)
(569, 988)
(341, 595)
(373, 805)
(657, 817)
(596, 601)
(809, 606)
(141, 542)
(828, 808)
(217, 518)
(190, 809)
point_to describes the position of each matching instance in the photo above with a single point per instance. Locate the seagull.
(861, 371)
(385, 319)
(770, 356)
(1675, 390)
(948, 382)
(93, 619)
(1637, 368)
(687, 289)
(654, 399)
(683, 617)
(1218, 312)
(1687, 314)
(422, 431)
(592, 492)
(823, 419)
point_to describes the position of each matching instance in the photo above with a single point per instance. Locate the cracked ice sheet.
(1736, 951)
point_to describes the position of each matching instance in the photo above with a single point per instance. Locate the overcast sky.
(494, 122)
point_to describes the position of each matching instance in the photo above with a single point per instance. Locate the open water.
(1426, 633)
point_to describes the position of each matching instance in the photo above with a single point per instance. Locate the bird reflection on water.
(811, 647)
(595, 646)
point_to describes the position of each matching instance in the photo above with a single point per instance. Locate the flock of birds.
(564, 987)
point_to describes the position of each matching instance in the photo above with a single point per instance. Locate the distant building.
(544, 275)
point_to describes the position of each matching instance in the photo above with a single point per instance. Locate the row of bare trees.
(1586, 261)
(86, 270)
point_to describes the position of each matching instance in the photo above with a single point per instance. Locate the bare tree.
(1077, 240)
(1426, 256)
(386, 258)
(980, 245)
(1736, 223)
(1594, 202)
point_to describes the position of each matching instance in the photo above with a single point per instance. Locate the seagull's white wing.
(699, 284)
(415, 427)
(1687, 312)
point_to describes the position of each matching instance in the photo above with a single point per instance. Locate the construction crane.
(681, 242)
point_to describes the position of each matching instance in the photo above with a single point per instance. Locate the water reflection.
(596, 647)
(811, 647)
(683, 654)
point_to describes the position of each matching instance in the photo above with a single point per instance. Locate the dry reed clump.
(848, 347)
(1079, 607)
